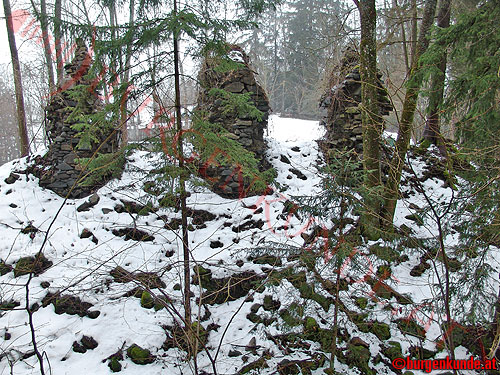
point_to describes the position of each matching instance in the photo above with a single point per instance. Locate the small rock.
(78, 348)
(13, 205)
(86, 233)
(13, 177)
(252, 344)
(234, 353)
(358, 341)
(89, 342)
(85, 206)
(216, 244)
(45, 284)
(106, 210)
(284, 159)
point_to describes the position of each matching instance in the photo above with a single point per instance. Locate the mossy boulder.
(410, 327)
(139, 355)
(270, 304)
(4, 268)
(381, 330)
(359, 356)
(147, 301)
(313, 332)
(67, 304)
(230, 288)
(292, 315)
(179, 337)
(114, 361)
(310, 325)
(287, 367)
(267, 259)
(393, 350)
(259, 364)
(37, 264)
(115, 365)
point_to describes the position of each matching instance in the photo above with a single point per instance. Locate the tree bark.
(43, 19)
(58, 36)
(21, 114)
(371, 120)
(126, 77)
(406, 123)
(432, 132)
(182, 182)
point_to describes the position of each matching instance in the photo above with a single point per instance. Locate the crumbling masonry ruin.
(247, 131)
(342, 101)
(59, 170)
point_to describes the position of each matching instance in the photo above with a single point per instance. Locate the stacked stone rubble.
(247, 131)
(59, 170)
(342, 101)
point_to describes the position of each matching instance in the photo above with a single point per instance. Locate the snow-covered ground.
(82, 268)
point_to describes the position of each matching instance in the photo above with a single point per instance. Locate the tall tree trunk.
(414, 30)
(406, 123)
(21, 114)
(58, 36)
(182, 182)
(371, 120)
(126, 77)
(43, 19)
(432, 131)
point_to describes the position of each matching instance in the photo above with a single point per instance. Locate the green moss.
(384, 252)
(392, 351)
(139, 355)
(146, 210)
(37, 264)
(200, 332)
(268, 259)
(114, 365)
(270, 304)
(359, 317)
(256, 365)
(147, 301)
(358, 356)
(9, 305)
(384, 271)
(381, 330)
(410, 327)
(289, 319)
(168, 200)
(203, 275)
(310, 325)
(361, 302)
(307, 292)
(4, 268)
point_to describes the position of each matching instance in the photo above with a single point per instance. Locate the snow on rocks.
(274, 300)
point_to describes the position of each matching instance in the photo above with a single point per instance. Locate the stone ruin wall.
(58, 169)
(245, 130)
(342, 103)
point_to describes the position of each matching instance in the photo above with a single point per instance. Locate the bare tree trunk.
(126, 77)
(21, 114)
(406, 122)
(43, 19)
(182, 182)
(432, 130)
(371, 120)
(413, 26)
(58, 36)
